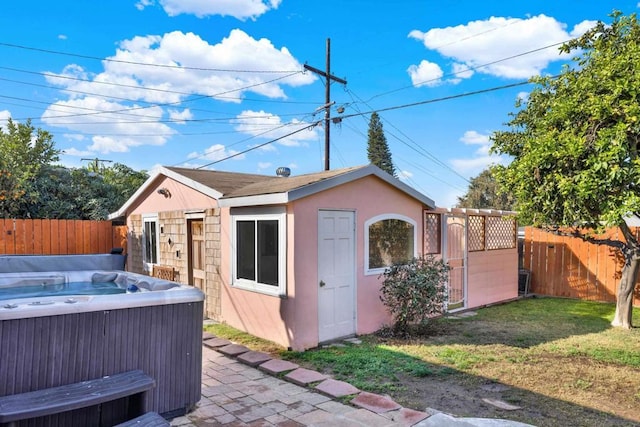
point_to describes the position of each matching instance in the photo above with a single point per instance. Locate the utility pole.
(95, 164)
(327, 106)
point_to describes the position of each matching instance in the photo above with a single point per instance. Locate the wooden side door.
(197, 274)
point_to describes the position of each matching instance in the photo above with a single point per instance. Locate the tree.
(23, 153)
(124, 181)
(31, 186)
(575, 145)
(377, 148)
(484, 193)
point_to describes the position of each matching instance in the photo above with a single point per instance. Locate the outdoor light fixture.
(165, 192)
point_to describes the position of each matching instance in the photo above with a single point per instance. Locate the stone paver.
(233, 349)
(375, 402)
(334, 388)
(216, 342)
(302, 376)
(235, 393)
(254, 358)
(277, 366)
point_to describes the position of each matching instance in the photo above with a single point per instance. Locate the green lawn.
(558, 358)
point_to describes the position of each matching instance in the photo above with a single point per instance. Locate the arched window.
(389, 239)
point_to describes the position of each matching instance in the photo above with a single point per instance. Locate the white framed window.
(389, 239)
(259, 250)
(150, 241)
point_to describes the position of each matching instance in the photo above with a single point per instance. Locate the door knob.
(322, 283)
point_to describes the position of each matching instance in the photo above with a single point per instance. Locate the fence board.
(570, 267)
(37, 236)
(6, 233)
(70, 236)
(86, 236)
(59, 237)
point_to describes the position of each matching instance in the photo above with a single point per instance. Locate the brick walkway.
(245, 388)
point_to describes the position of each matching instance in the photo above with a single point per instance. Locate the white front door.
(336, 274)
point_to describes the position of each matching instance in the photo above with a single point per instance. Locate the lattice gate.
(454, 233)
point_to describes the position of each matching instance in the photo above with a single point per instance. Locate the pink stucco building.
(296, 260)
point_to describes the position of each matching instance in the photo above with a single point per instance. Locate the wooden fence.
(571, 267)
(59, 237)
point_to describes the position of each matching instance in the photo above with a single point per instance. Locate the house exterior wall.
(492, 276)
(173, 235)
(293, 321)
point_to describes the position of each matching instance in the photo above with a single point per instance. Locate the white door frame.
(460, 263)
(334, 324)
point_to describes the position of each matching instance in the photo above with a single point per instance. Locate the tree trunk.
(624, 302)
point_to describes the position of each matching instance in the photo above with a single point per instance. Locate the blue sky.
(221, 83)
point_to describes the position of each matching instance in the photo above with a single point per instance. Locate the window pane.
(246, 253)
(390, 242)
(268, 252)
(150, 242)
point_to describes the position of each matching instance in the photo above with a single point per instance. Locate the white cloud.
(264, 165)
(475, 138)
(62, 36)
(4, 116)
(582, 28)
(481, 158)
(240, 9)
(77, 153)
(270, 126)
(523, 96)
(163, 81)
(167, 82)
(217, 152)
(486, 41)
(180, 116)
(462, 71)
(405, 175)
(74, 136)
(144, 3)
(214, 153)
(425, 74)
(113, 132)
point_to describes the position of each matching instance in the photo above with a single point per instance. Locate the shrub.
(415, 291)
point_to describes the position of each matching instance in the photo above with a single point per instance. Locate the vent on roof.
(283, 172)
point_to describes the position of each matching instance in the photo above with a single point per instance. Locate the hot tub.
(51, 334)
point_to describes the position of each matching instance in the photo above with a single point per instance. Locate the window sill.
(260, 289)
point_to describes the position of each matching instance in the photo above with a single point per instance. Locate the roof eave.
(162, 171)
(257, 200)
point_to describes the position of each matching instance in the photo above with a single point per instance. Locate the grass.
(558, 358)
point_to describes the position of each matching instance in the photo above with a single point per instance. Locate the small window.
(390, 239)
(259, 251)
(150, 241)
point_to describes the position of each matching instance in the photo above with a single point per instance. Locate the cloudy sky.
(221, 84)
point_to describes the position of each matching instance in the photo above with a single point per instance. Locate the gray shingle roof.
(233, 184)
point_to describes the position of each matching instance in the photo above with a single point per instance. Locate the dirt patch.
(463, 398)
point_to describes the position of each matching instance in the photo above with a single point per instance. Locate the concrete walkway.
(247, 388)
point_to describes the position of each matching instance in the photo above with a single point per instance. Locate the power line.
(144, 88)
(445, 98)
(466, 70)
(310, 126)
(146, 64)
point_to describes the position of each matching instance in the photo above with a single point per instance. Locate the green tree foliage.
(484, 193)
(31, 186)
(415, 291)
(124, 182)
(575, 145)
(24, 151)
(378, 151)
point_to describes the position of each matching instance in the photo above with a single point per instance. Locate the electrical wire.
(146, 64)
(310, 126)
